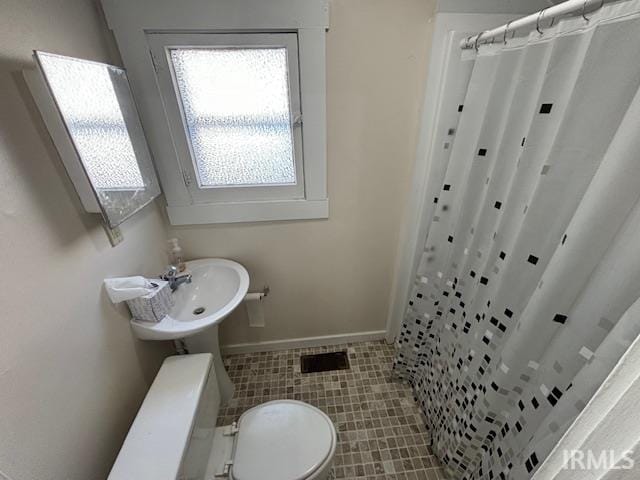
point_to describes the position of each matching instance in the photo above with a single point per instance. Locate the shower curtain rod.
(535, 20)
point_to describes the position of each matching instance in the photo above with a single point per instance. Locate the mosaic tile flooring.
(381, 432)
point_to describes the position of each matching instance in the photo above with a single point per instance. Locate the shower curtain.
(527, 292)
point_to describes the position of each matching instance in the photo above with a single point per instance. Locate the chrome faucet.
(175, 280)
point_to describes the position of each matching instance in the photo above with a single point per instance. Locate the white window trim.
(159, 43)
(131, 20)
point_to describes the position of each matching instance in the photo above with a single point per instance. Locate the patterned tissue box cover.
(154, 306)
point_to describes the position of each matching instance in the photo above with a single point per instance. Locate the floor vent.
(324, 362)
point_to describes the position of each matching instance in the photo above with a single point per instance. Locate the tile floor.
(381, 432)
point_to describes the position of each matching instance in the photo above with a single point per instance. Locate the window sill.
(239, 212)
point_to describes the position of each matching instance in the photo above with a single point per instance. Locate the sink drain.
(199, 310)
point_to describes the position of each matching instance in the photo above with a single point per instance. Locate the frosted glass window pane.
(89, 105)
(236, 107)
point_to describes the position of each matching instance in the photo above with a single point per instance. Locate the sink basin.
(217, 288)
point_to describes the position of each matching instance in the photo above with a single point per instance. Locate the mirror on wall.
(89, 111)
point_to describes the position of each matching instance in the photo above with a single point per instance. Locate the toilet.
(174, 435)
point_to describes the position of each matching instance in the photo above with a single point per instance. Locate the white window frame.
(135, 21)
(161, 44)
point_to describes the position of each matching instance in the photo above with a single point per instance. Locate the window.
(233, 105)
(233, 97)
(237, 113)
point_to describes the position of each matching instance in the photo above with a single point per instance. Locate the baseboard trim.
(274, 345)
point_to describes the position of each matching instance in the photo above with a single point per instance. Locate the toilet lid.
(282, 440)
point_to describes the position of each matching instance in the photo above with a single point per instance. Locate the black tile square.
(446, 187)
(532, 259)
(559, 318)
(546, 107)
(482, 152)
(460, 107)
(497, 205)
(531, 462)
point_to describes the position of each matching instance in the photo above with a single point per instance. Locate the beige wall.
(71, 375)
(334, 276)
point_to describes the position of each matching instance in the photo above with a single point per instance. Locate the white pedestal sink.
(218, 286)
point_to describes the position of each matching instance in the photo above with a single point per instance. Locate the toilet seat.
(282, 440)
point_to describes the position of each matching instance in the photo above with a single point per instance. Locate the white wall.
(71, 374)
(334, 276)
(515, 7)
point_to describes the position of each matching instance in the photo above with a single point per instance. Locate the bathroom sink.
(217, 288)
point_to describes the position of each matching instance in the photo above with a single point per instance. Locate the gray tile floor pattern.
(381, 432)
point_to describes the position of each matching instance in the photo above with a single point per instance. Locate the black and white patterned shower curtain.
(527, 291)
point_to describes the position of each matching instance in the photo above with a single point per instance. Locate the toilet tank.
(172, 435)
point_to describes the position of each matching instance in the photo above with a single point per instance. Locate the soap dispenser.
(175, 255)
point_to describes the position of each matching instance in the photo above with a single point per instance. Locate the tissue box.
(154, 306)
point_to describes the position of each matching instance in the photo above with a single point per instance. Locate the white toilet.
(174, 436)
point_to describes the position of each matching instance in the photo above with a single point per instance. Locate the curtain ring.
(506, 30)
(584, 8)
(478, 38)
(540, 18)
(467, 42)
